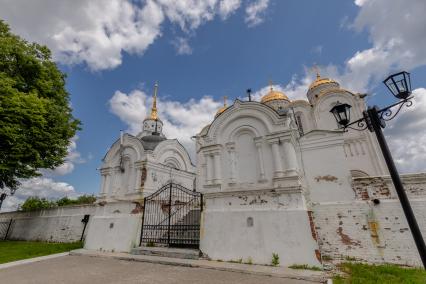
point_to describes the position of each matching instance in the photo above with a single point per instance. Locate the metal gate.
(5, 226)
(171, 217)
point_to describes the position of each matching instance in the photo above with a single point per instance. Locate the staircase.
(167, 252)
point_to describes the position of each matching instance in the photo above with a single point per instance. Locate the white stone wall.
(373, 233)
(56, 225)
(62, 224)
(115, 233)
(253, 226)
(325, 169)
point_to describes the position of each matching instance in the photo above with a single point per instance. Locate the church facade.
(261, 166)
(277, 178)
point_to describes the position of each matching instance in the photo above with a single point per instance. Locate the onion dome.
(223, 108)
(273, 95)
(321, 81)
(319, 86)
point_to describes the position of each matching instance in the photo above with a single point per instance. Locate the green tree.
(86, 199)
(35, 203)
(82, 199)
(36, 121)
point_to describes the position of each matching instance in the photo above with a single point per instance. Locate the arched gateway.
(172, 217)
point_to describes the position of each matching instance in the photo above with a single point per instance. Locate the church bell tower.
(152, 125)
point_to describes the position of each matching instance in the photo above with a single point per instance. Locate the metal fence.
(5, 226)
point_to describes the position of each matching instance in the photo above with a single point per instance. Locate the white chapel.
(136, 166)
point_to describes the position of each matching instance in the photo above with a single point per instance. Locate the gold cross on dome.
(315, 68)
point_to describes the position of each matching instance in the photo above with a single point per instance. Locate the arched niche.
(358, 173)
(130, 146)
(324, 119)
(263, 118)
(171, 152)
(173, 163)
(245, 154)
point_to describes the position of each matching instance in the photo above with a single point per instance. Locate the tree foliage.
(37, 203)
(36, 121)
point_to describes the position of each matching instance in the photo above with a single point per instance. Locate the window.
(299, 124)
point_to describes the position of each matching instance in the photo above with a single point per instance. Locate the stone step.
(167, 252)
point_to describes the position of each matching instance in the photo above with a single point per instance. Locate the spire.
(224, 100)
(154, 115)
(271, 85)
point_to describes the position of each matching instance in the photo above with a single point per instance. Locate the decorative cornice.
(268, 191)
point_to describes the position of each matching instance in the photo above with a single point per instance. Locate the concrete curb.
(277, 272)
(31, 260)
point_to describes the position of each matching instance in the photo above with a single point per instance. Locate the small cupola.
(223, 108)
(275, 99)
(152, 124)
(320, 85)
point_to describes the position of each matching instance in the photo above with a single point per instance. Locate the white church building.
(273, 176)
(261, 166)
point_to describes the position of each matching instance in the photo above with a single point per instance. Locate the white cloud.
(97, 32)
(228, 7)
(360, 2)
(182, 46)
(398, 36)
(41, 187)
(181, 120)
(130, 108)
(255, 12)
(406, 135)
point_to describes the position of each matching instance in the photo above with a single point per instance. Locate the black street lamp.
(374, 119)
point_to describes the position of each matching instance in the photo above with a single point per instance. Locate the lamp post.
(374, 119)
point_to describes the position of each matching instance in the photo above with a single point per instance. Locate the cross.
(249, 94)
(224, 100)
(316, 70)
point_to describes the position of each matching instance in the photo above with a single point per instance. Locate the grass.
(389, 274)
(305, 266)
(17, 250)
(275, 259)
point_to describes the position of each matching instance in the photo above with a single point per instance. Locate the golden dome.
(320, 81)
(222, 109)
(273, 95)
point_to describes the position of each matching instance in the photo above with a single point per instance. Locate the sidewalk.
(279, 272)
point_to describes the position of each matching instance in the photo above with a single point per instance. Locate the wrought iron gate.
(172, 217)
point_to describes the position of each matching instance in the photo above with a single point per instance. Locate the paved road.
(85, 269)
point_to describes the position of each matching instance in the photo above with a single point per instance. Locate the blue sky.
(200, 51)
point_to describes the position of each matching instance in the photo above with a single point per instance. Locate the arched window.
(358, 173)
(246, 156)
(299, 123)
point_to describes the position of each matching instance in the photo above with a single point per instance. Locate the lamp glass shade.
(342, 113)
(399, 84)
